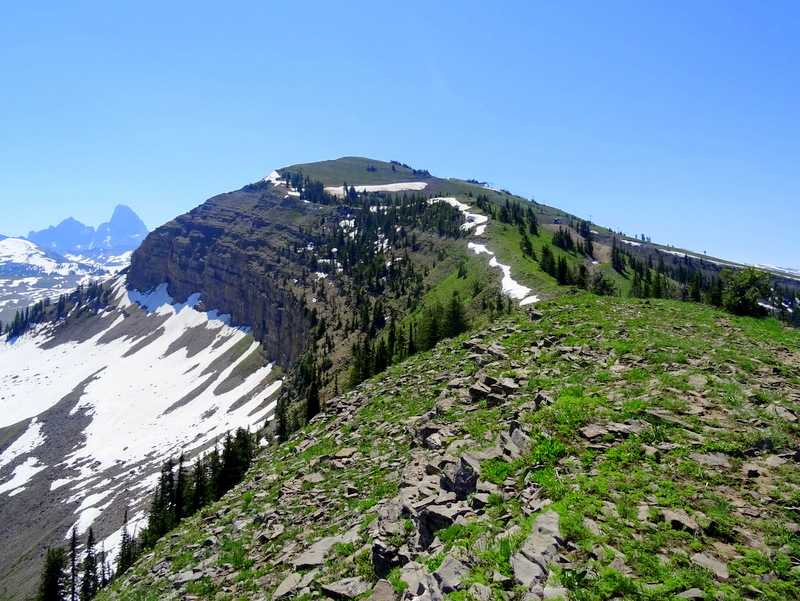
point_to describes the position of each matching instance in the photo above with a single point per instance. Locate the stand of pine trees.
(181, 491)
(90, 298)
(83, 579)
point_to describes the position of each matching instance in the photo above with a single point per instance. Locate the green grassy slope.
(354, 170)
(664, 435)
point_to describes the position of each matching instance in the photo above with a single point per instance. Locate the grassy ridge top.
(356, 171)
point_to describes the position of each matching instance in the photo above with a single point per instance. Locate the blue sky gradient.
(678, 120)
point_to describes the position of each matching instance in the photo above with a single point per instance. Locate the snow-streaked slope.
(787, 270)
(510, 286)
(19, 254)
(144, 380)
(30, 273)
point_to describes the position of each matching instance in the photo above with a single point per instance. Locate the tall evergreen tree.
(694, 293)
(53, 580)
(547, 261)
(455, 318)
(312, 398)
(73, 560)
(562, 271)
(127, 548)
(90, 583)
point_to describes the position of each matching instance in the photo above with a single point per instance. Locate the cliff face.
(234, 250)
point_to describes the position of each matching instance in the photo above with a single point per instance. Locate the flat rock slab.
(555, 592)
(289, 584)
(593, 431)
(412, 574)
(782, 412)
(719, 568)
(680, 520)
(692, 593)
(316, 553)
(775, 461)
(349, 588)
(383, 591)
(186, 577)
(712, 459)
(450, 573)
(480, 592)
(526, 572)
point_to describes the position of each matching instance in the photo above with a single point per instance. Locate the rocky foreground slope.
(595, 448)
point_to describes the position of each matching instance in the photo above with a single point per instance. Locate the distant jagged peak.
(125, 230)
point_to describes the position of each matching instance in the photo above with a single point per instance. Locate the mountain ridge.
(340, 287)
(125, 230)
(515, 460)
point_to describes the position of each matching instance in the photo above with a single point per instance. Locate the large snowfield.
(397, 187)
(134, 387)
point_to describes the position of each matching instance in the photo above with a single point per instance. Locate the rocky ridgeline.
(376, 497)
(439, 485)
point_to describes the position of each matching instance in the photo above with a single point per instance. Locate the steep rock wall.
(233, 249)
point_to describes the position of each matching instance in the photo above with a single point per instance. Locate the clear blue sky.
(679, 120)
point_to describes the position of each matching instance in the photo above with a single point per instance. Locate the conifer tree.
(90, 581)
(547, 261)
(694, 293)
(52, 583)
(312, 398)
(525, 245)
(742, 291)
(562, 271)
(455, 319)
(73, 560)
(127, 548)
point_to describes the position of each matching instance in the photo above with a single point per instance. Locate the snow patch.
(398, 187)
(21, 476)
(786, 270)
(274, 178)
(27, 443)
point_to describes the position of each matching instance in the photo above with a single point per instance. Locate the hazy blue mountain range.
(124, 230)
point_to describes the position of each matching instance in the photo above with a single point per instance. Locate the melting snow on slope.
(21, 476)
(23, 252)
(132, 392)
(510, 286)
(273, 177)
(787, 270)
(398, 187)
(26, 443)
(474, 220)
(160, 380)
